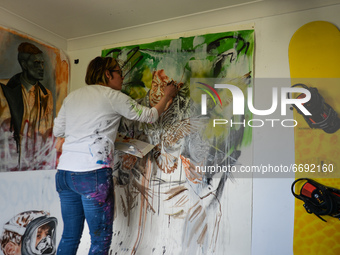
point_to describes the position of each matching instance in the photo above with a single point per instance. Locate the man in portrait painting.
(26, 115)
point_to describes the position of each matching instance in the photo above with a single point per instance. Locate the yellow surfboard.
(314, 60)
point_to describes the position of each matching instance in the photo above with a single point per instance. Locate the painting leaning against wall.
(29, 233)
(170, 183)
(33, 84)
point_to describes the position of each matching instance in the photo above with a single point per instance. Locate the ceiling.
(71, 19)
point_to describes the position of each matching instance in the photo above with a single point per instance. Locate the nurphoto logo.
(238, 104)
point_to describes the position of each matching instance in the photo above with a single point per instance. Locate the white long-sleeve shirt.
(89, 120)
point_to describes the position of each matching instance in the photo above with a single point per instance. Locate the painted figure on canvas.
(29, 233)
(34, 81)
(171, 184)
(26, 114)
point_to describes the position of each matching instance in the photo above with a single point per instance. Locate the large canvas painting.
(33, 84)
(177, 199)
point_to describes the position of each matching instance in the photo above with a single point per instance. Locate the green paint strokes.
(137, 108)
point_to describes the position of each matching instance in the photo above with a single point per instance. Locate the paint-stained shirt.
(89, 120)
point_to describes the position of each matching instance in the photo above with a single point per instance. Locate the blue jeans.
(86, 195)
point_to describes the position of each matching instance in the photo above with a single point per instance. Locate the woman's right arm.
(130, 109)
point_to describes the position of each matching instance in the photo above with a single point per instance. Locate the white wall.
(12, 21)
(275, 23)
